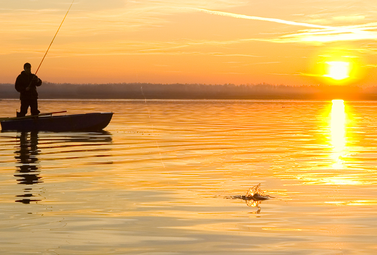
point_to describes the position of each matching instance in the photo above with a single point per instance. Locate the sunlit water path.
(155, 181)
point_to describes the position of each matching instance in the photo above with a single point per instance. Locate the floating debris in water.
(253, 196)
(256, 193)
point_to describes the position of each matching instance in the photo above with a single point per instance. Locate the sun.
(338, 70)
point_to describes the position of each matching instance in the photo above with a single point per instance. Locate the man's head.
(27, 67)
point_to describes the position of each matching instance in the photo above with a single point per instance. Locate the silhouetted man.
(27, 84)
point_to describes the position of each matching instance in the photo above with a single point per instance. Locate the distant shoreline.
(194, 91)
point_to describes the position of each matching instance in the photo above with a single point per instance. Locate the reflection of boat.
(100, 137)
(86, 137)
(58, 123)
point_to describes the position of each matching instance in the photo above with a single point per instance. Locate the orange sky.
(190, 41)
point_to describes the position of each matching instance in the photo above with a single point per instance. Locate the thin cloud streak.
(321, 34)
(281, 21)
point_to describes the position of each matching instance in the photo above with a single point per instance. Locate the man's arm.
(36, 81)
(18, 85)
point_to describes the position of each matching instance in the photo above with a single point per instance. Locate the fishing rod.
(54, 38)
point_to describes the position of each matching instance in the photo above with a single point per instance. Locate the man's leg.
(24, 106)
(34, 107)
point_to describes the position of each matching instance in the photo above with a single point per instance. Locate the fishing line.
(150, 120)
(54, 37)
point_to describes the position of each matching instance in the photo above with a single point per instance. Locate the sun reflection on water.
(338, 132)
(338, 169)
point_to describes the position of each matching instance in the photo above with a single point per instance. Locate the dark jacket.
(23, 81)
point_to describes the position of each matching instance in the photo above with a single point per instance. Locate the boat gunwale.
(48, 116)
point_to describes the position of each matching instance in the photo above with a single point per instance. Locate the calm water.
(156, 180)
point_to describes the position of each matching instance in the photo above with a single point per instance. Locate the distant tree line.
(193, 91)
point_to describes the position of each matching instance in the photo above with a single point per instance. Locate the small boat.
(58, 123)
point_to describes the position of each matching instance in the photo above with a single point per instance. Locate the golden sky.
(289, 42)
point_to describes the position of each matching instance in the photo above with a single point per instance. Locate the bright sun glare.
(338, 70)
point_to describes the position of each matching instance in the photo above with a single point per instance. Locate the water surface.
(156, 180)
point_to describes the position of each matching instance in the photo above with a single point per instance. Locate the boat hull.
(62, 123)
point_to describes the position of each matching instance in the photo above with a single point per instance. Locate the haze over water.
(156, 180)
